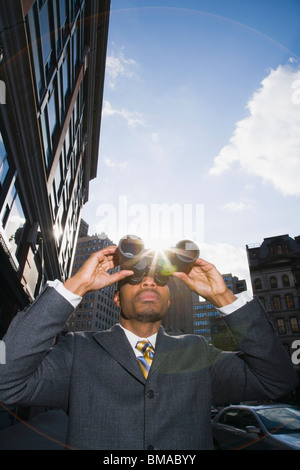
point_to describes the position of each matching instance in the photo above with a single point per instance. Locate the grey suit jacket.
(96, 378)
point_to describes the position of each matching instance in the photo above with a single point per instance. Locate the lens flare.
(158, 244)
(161, 260)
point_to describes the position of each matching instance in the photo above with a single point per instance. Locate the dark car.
(257, 427)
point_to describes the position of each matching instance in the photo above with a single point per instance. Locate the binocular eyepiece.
(160, 266)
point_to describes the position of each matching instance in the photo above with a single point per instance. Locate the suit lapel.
(114, 342)
(164, 346)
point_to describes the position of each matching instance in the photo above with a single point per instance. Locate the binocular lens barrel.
(130, 248)
(186, 251)
(134, 256)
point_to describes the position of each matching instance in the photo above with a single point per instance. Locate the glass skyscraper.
(52, 70)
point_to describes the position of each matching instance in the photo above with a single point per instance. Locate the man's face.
(144, 302)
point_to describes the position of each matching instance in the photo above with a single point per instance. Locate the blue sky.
(200, 133)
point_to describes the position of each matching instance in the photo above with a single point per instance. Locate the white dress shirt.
(134, 339)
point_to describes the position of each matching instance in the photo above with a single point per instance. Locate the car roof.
(259, 407)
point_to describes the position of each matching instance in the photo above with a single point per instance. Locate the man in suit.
(97, 378)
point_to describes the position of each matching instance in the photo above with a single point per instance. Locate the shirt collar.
(133, 339)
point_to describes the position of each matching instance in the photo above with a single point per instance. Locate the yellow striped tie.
(145, 361)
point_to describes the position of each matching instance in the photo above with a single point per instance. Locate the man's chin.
(149, 317)
(146, 315)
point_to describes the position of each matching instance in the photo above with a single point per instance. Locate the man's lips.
(148, 296)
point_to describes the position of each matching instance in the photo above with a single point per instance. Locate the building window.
(257, 284)
(281, 326)
(13, 220)
(202, 322)
(289, 299)
(285, 280)
(75, 48)
(294, 325)
(276, 302)
(4, 165)
(273, 282)
(66, 75)
(36, 50)
(52, 111)
(263, 302)
(45, 135)
(63, 18)
(58, 180)
(46, 38)
(202, 331)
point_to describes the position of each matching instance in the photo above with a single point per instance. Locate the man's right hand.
(93, 273)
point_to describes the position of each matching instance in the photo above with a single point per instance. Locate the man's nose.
(148, 282)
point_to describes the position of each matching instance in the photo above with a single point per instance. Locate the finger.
(115, 277)
(105, 258)
(105, 254)
(109, 249)
(184, 277)
(202, 263)
(180, 275)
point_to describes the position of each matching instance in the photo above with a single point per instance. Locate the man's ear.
(117, 299)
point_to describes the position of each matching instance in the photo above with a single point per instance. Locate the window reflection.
(14, 220)
(4, 166)
(45, 33)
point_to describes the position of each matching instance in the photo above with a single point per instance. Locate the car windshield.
(280, 420)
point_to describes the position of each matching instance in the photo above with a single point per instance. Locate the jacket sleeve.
(261, 369)
(37, 369)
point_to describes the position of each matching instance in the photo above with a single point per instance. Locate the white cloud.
(234, 206)
(228, 259)
(154, 137)
(267, 142)
(133, 118)
(118, 66)
(112, 164)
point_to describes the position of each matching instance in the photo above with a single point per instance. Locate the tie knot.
(145, 347)
(145, 361)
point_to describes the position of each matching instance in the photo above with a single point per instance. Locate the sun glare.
(158, 245)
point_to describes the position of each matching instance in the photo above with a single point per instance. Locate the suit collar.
(133, 338)
(115, 342)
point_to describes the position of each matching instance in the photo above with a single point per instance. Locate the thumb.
(186, 279)
(179, 274)
(183, 276)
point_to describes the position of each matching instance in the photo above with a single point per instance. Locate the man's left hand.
(205, 280)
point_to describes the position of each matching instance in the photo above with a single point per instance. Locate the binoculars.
(159, 265)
